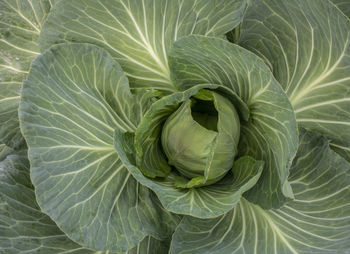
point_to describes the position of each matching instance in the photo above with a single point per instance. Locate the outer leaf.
(139, 33)
(270, 134)
(343, 5)
(4, 151)
(20, 24)
(24, 228)
(149, 245)
(71, 103)
(317, 221)
(307, 44)
(203, 202)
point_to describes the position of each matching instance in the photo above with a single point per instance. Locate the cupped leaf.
(20, 25)
(240, 106)
(203, 202)
(270, 134)
(200, 138)
(150, 158)
(307, 45)
(74, 97)
(24, 228)
(139, 33)
(317, 221)
(188, 145)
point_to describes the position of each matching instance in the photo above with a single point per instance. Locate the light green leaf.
(270, 133)
(24, 228)
(139, 33)
(149, 154)
(203, 202)
(307, 45)
(20, 25)
(74, 97)
(200, 138)
(317, 221)
(343, 5)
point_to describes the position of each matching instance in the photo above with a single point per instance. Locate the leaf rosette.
(204, 182)
(146, 126)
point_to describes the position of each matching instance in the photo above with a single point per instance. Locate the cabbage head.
(175, 126)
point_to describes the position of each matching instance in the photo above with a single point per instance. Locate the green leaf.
(317, 221)
(24, 228)
(149, 245)
(4, 151)
(203, 202)
(343, 5)
(138, 34)
(20, 25)
(270, 134)
(71, 103)
(307, 45)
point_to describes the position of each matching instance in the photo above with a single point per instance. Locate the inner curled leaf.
(200, 138)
